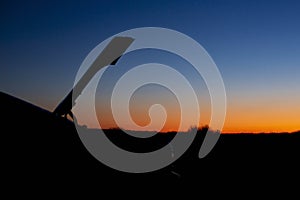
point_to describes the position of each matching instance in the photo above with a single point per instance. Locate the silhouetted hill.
(39, 148)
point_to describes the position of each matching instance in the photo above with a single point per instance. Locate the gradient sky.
(255, 44)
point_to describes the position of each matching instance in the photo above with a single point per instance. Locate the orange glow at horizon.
(236, 121)
(245, 114)
(248, 118)
(266, 113)
(239, 119)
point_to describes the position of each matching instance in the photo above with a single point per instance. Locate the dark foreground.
(44, 152)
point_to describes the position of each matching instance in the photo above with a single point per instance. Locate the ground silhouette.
(44, 148)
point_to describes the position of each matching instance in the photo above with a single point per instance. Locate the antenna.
(109, 56)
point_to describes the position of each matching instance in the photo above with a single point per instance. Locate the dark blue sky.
(255, 44)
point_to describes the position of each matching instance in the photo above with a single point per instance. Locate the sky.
(255, 44)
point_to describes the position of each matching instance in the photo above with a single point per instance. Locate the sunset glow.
(254, 44)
